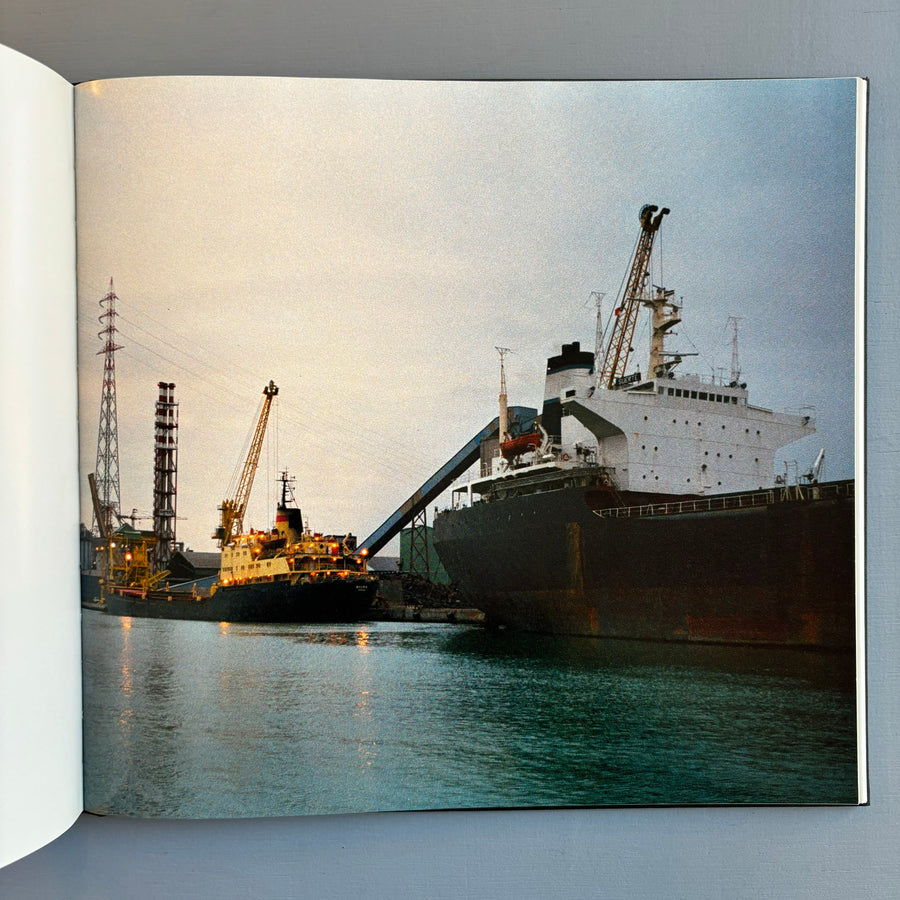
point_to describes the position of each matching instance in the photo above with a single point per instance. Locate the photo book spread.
(429, 445)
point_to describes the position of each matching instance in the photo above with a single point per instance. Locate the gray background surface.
(522, 854)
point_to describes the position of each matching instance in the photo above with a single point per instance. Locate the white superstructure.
(685, 435)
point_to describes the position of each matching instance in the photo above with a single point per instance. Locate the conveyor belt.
(440, 481)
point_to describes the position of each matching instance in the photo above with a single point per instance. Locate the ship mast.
(625, 317)
(735, 362)
(504, 408)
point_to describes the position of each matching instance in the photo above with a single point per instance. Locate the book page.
(574, 362)
(40, 637)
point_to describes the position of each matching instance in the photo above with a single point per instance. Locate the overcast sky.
(367, 244)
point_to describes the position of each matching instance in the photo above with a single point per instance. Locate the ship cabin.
(270, 556)
(690, 435)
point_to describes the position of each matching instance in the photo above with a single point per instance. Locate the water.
(197, 719)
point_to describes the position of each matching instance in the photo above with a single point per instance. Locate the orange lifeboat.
(522, 444)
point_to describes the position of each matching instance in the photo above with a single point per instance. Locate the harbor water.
(199, 719)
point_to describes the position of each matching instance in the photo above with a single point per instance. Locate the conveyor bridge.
(440, 481)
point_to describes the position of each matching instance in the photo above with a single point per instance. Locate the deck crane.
(625, 319)
(233, 510)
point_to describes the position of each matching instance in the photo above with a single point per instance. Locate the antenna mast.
(735, 363)
(107, 467)
(597, 297)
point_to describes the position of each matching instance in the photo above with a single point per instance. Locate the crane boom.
(619, 346)
(233, 510)
(101, 514)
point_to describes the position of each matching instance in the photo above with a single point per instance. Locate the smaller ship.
(288, 574)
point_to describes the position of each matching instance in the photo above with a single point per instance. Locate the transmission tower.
(165, 473)
(107, 468)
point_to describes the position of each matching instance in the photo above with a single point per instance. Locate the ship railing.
(830, 491)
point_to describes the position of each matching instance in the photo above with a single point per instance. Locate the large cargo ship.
(646, 506)
(289, 574)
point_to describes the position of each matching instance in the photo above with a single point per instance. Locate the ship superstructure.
(662, 433)
(292, 554)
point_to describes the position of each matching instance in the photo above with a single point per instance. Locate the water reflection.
(507, 647)
(211, 719)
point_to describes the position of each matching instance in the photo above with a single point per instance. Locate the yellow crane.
(619, 347)
(233, 510)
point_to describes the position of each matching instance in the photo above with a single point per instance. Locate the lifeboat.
(518, 445)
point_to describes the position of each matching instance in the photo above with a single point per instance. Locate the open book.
(634, 580)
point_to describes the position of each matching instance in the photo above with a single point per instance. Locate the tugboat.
(650, 509)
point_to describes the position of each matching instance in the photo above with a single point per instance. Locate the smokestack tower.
(165, 473)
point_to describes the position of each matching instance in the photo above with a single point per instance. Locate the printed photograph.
(469, 445)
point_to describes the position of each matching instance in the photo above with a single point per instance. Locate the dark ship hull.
(776, 570)
(340, 600)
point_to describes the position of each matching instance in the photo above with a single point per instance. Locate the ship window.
(734, 400)
(671, 392)
(570, 393)
(702, 395)
(677, 392)
(693, 395)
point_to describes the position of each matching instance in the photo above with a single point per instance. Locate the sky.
(368, 244)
